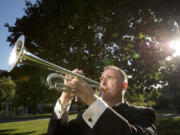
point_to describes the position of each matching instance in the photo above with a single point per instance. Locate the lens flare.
(175, 45)
(22, 79)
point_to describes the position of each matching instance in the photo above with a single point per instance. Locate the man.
(105, 115)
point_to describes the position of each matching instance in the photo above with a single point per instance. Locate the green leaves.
(136, 56)
(7, 89)
(92, 34)
(115, 35)
(140, 35)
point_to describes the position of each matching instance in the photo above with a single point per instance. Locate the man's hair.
(121, 72)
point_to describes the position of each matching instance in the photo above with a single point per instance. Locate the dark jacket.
(119, 120)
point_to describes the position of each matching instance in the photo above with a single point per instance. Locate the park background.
(141, 37)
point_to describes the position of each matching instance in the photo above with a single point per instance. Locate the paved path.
(4, 120)
(72, 117)
(168, 115)
(21, 119)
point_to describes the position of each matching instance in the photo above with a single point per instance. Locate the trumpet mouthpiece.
(103, 89)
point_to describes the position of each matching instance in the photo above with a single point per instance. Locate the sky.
(9, 11)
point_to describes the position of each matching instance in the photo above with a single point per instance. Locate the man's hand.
(66, 98)
(82, 89)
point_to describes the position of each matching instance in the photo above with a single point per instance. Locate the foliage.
(7, 90)
(3, 73)
(153, 95)
(31, 88)
(176, 103)
(133, 35)
(173, 75)
(138, 98)
(163, 102)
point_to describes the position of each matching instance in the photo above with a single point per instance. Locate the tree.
(173, 77)
(7, 90)
(3, 74)
(32, 88)
(133, 35)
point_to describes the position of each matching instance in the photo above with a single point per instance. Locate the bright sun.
(176, 46)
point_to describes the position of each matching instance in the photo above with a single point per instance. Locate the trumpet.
(20, 55)
(53, 78)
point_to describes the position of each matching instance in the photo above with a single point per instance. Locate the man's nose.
(103, 82)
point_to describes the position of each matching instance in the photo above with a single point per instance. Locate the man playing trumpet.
(105, 115)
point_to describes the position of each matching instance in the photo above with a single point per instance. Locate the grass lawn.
(166, 126)
(169, 126)
(29, 127)
(32, 127)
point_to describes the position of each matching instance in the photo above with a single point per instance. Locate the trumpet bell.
(16, 53)
(20, 55)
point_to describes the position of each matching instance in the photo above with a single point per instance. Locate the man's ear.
(124, 85)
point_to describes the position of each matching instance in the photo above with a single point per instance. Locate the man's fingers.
(78, 71)
(69, 77)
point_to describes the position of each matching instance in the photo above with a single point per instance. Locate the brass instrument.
(20, 55)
